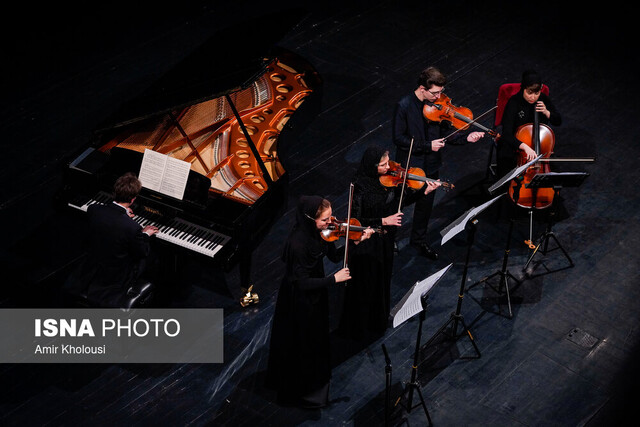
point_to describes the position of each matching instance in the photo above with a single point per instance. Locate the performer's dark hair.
(531, 80)
(431, 76)
(126, 188)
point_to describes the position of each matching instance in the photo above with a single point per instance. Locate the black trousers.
(423, 204)
(422, 214)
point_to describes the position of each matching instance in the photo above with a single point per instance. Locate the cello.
(541, 139)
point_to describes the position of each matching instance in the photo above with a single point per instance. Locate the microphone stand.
(387, 392)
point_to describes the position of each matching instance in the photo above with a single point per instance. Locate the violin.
(460, 117)
(338, 228)
(416, 177)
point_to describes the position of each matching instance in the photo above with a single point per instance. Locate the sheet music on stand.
(461, 222)
(514, 173)
(164, 174)
(411, 303)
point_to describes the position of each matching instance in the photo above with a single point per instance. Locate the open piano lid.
(228, 61)
(222, 109)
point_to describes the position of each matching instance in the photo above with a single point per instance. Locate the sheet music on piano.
(206, 149)
(164, 174)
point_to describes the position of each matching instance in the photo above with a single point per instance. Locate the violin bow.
(346, 245)
(469, 123)
(406, 173)
(561, 159)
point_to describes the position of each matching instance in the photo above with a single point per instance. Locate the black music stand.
(512, 174)
(414, 302)
(504, 273)
(457, 315)
(467, 221)
(387, 387)
(555, 180)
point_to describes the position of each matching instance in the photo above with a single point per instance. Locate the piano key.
(175, 230)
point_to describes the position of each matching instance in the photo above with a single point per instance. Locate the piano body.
(228, 126)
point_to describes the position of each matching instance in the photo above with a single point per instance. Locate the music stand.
(512, 174)
(503, 272)
(414, 302)
(467, 221)
(555, 180)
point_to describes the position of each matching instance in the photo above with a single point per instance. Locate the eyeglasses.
(435, 93)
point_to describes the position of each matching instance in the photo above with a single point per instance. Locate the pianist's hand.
(130, 213)
(150, 230)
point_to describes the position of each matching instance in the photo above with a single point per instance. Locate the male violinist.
(428, 139)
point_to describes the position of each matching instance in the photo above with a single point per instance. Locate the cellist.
(428, 140)
(519, 111)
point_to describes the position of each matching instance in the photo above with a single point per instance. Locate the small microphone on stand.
(387, 394)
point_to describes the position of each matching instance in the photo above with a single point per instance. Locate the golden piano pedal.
(249, 298)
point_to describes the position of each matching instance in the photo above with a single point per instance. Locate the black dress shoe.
(426, 251)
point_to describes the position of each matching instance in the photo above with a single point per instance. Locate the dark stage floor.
(567, 357)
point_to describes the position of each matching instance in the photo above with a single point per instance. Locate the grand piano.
(227, 113)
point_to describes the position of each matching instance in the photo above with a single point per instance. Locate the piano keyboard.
(176, 231)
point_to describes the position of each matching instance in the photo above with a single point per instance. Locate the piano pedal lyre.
(249, 298)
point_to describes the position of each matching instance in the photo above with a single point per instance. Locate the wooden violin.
(338, 228)
(415, 178)
(460, 117)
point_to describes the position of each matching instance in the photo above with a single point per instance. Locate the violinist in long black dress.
(299, 356)
(367, 296)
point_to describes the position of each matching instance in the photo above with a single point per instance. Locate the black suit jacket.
(116, 253)
(409, 122)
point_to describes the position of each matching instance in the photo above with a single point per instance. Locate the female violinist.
(299, 365)
(367, 297)
(519, 111)
(428, 140)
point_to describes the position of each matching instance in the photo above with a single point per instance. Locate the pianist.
(118, 248)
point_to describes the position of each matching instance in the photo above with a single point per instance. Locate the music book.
(461, 222)
(513, 173)
(411, 303)
(164, 174)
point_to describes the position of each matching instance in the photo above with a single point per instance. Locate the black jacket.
(518, 112)
(116, 251)
(409, 122)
